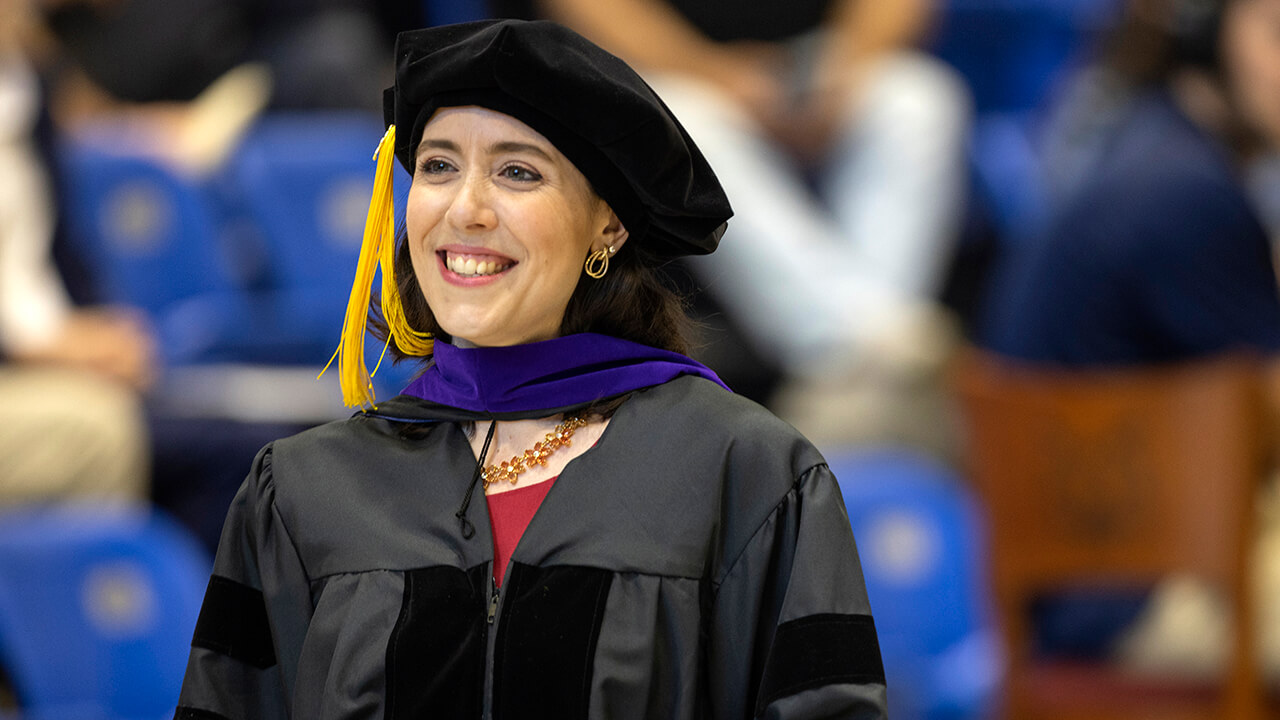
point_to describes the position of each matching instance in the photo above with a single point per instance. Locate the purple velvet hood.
(565, 371)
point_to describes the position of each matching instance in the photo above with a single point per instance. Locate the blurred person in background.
(1154, 252)
(189, 468)
(190, 76)
(71, 422)
(842, 148)
(180, 83)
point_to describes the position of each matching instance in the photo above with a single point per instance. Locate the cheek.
(565, 261)
(420, 217)
(556, 274)
(416, 214)
(563, 250)
(421, 260)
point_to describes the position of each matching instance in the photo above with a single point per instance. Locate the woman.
(691, 557)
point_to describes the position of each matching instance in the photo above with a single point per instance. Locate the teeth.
(472, 267)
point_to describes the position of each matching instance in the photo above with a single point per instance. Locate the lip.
(454, 278)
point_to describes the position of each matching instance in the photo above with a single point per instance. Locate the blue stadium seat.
(151, 236)
(251, 264)
(159, 240)
(97, 609)
(1015, 55)
(1013, 52)
(920, 541)
(305, 181)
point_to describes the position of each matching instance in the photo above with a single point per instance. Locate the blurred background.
(1009, 263)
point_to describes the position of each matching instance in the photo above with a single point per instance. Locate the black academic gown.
(696, 563)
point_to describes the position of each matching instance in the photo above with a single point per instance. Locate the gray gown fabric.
(697, 562)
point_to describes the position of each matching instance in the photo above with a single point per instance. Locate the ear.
(613, 235)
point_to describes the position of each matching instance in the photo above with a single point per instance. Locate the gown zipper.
(493, 598)
(491, 642)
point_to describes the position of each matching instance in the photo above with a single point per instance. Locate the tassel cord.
(377, 251)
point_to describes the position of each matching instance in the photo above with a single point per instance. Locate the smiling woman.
(500, 224)
(649, 546)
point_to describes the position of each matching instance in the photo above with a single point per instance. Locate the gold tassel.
(377, 248)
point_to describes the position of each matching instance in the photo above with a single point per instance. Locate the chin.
(467, 328)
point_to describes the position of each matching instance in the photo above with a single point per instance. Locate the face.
(499, 226)
(1251, 60)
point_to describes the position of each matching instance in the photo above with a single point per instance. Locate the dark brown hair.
(632, 301)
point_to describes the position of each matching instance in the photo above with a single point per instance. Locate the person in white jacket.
(71, 423)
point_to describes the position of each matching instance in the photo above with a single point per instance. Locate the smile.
(469, 266)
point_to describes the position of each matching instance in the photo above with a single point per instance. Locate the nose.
(470, 208)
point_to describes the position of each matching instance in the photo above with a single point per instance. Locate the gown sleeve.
(791, 632)
(244, 650)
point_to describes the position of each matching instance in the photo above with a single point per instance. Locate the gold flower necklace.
(510, 470)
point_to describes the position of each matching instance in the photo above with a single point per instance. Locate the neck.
(461, 342)
(513, 438)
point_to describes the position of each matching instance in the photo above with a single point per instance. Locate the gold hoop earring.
(598, 263)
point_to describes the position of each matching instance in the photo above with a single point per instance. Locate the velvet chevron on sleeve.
(233, 670)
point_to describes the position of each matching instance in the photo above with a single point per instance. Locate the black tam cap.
(588, 103)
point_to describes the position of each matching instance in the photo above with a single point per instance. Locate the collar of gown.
(566, 371)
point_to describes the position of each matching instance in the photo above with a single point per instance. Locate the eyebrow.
(506, 146)
(516, 147)
(439, 145)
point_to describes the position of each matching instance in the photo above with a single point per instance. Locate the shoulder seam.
(795, 487)
(268, 470)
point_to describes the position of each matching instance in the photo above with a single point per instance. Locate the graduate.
(563, 515)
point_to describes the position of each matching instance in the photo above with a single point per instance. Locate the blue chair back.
(1014, 52)
(1015, 56)
(162, 241)
(920, 541)
(305, 181)
(151, 236)
(97, 609)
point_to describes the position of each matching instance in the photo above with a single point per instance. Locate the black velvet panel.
(821, 650)
(233, 621)
(190, 713)
(546, 641)
(435, 659)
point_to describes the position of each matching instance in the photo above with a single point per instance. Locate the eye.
(519, 173)
(435, 166)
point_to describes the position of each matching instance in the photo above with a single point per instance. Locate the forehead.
(474, 122)
(497, 133)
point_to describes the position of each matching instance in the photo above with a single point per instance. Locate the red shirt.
(509, 514)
